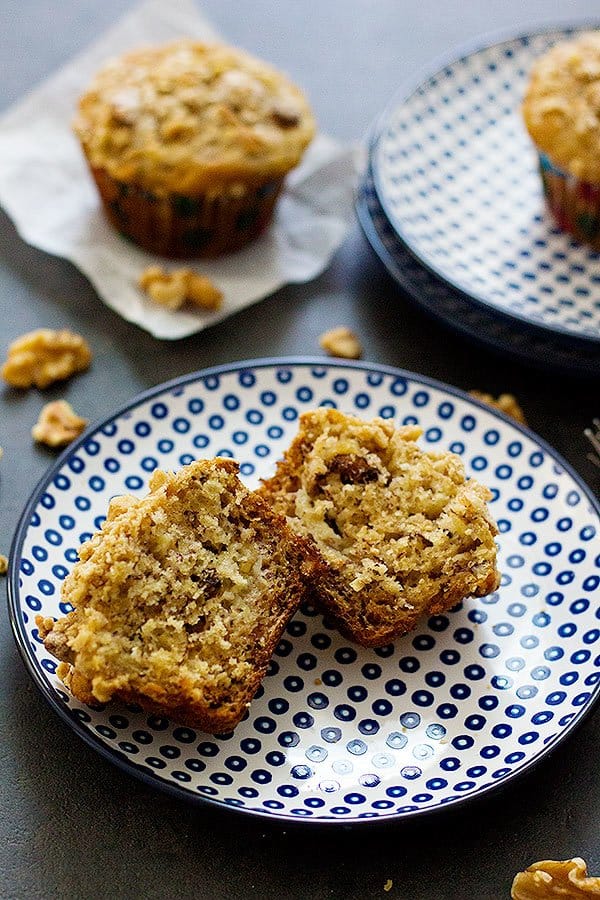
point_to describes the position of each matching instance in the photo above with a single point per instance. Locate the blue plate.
(457, 176)
(500, 332)
(338, 733)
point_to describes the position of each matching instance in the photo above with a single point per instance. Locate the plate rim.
(414, 292)
(150, 778)
(485, 41)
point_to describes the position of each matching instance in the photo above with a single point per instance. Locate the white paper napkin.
(46, 190)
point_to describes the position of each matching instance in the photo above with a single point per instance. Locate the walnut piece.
(3, 565)
(57, 425)
(341, 342)
(549, 878)
(42, 357)
(173, 289)
(506, 403)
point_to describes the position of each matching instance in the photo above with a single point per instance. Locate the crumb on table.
(388, 885)
(57, 425)
(44, 356)
(506, 403)
(173, 289)
(341, 342)
(3, 564)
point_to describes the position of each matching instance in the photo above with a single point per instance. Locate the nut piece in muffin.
(44, 356)
(180, 599)
(561, 110)
(402, 532)
(189, 144)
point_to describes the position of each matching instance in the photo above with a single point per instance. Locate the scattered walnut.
(42, 357)
(57, 425)
(506, 403)
(3, 565)
(173, 289)
(551, 878)
(341, 342)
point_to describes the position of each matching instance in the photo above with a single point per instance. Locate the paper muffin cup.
(574, 203)
(181, 226)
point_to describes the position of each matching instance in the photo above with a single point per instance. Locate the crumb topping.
(185, 116)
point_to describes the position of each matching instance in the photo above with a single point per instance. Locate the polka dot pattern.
(337, 731)
(477, 321)
(458, 178)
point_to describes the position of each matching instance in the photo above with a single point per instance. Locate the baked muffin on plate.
(562, 114)
(189, 144)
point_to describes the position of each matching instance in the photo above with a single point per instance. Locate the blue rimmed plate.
(456, 174)
(338, 733)
(541, 348)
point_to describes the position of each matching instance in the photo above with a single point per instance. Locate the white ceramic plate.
(456, 174)
(338, 733)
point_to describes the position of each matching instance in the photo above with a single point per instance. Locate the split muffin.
(402, 532)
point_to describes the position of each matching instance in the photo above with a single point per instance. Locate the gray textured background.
(73, 825)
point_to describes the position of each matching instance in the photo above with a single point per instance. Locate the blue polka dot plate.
(457, 176)
(338, 733)
(507, 336)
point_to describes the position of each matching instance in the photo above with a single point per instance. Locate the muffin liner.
(574, 203)
(183, 226)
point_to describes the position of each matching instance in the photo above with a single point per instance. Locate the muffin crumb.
(555, 878)
(173, 289)
(3, 564)
(57, 425)
(341, 342)
(44, 356)
(506, 403)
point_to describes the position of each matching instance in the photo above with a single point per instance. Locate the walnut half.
(506, 403)
(57, 425)
(173, 289)
(42, 357)
(550, 878)
(341, 342)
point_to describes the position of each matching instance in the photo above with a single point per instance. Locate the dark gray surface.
(72, 825)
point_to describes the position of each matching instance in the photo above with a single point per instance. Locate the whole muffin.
(189, 144)
(562, 114)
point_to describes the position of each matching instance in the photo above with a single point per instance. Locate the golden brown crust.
(562, 106)
(403, 534)
(191, 118)
(181, 598)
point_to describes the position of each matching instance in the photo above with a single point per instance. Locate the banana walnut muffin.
(402, 532)
(180, 599)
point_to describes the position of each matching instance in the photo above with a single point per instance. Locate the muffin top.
(189, 117)
(562, 105)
